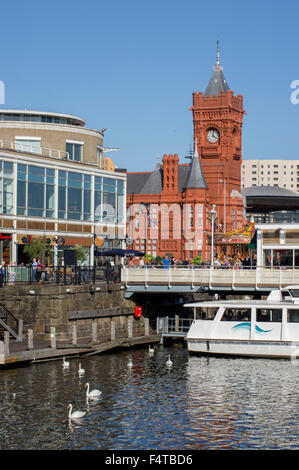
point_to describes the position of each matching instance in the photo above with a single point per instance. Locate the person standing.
(34, 269)
(166, 262)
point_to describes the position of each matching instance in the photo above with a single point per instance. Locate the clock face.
(213, 136)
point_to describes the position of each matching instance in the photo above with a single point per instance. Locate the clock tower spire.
(217, 127)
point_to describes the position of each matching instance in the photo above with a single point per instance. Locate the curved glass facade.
(59, 194)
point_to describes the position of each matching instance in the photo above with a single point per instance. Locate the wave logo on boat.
(246, 326)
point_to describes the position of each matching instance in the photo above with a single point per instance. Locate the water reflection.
(198, 403)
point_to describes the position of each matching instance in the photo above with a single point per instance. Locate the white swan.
(76, 414)
(93, 393)
(169, 361)
(65, 363)
(130, 363)
(80, 370)
(150, 350)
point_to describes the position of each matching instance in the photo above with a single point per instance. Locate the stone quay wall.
(91, 308)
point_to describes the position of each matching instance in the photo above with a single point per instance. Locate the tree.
(81, 253)
(38, 248)
(197, 260)
(148, 258)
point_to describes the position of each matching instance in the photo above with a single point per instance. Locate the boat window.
(293, 316)
(294, 292)
(207, 313)
(268, 315)
(236, 314)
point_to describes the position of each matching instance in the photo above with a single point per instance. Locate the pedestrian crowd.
(222, 261)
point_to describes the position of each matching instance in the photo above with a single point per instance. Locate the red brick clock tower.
(217, 124)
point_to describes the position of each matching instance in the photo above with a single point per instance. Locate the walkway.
(190, 279)
(42, 351)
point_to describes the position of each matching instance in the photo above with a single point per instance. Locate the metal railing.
(26, 148)
(174, 327)
(8, 322)
(59, 275)
(256, 277)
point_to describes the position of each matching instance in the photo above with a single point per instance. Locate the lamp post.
(224, 204)
(212, 217)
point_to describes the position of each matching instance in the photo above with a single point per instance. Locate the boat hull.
(264, 349)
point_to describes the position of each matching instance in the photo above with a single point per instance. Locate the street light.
(212, 217)
(224, 204)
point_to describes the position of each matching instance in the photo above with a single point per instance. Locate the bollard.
(130, 328)
(146, 326)
(2, 356)
(20, 329)
(53, 337)
(94, 331)
(30, 339)
(6, 343)
(112, 330)
(74, 333)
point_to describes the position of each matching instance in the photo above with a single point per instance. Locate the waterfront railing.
(236, 277)
(59, 275)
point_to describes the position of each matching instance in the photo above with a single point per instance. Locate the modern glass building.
(52, 184)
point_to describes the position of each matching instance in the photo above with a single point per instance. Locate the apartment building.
(281, 173)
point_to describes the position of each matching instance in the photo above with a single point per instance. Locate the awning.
(119, 252)
(240, 236)
(252, 244)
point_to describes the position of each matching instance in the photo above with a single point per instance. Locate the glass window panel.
(36, 174)
(108, 207)
(77, 152)
(87, 181)
(50, 200)
(267, 258)
(35, 199)
(21, 194)
(74, 180)
(8, 167)
(293, 316)
(87, 195)
(27, 145)
(236, 314)
(268, 315)
(97, 206)
(282, 258)
(109, 185)
(74, 203)
(61, 202)
(62, 178)
(98, 183)
(22, 172)
(120, 187)
(7, 195)
(74, 151)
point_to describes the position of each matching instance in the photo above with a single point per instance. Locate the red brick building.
(169, 207)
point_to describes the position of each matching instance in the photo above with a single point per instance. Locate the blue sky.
(132, 67)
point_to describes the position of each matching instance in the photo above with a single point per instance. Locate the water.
(200, 403)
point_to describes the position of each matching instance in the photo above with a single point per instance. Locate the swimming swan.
(80, 370)
(93, 393)
(169, 361)
(76, 414)
(130, 363)
(150, 350)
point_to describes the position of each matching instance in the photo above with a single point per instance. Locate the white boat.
(252, 328)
